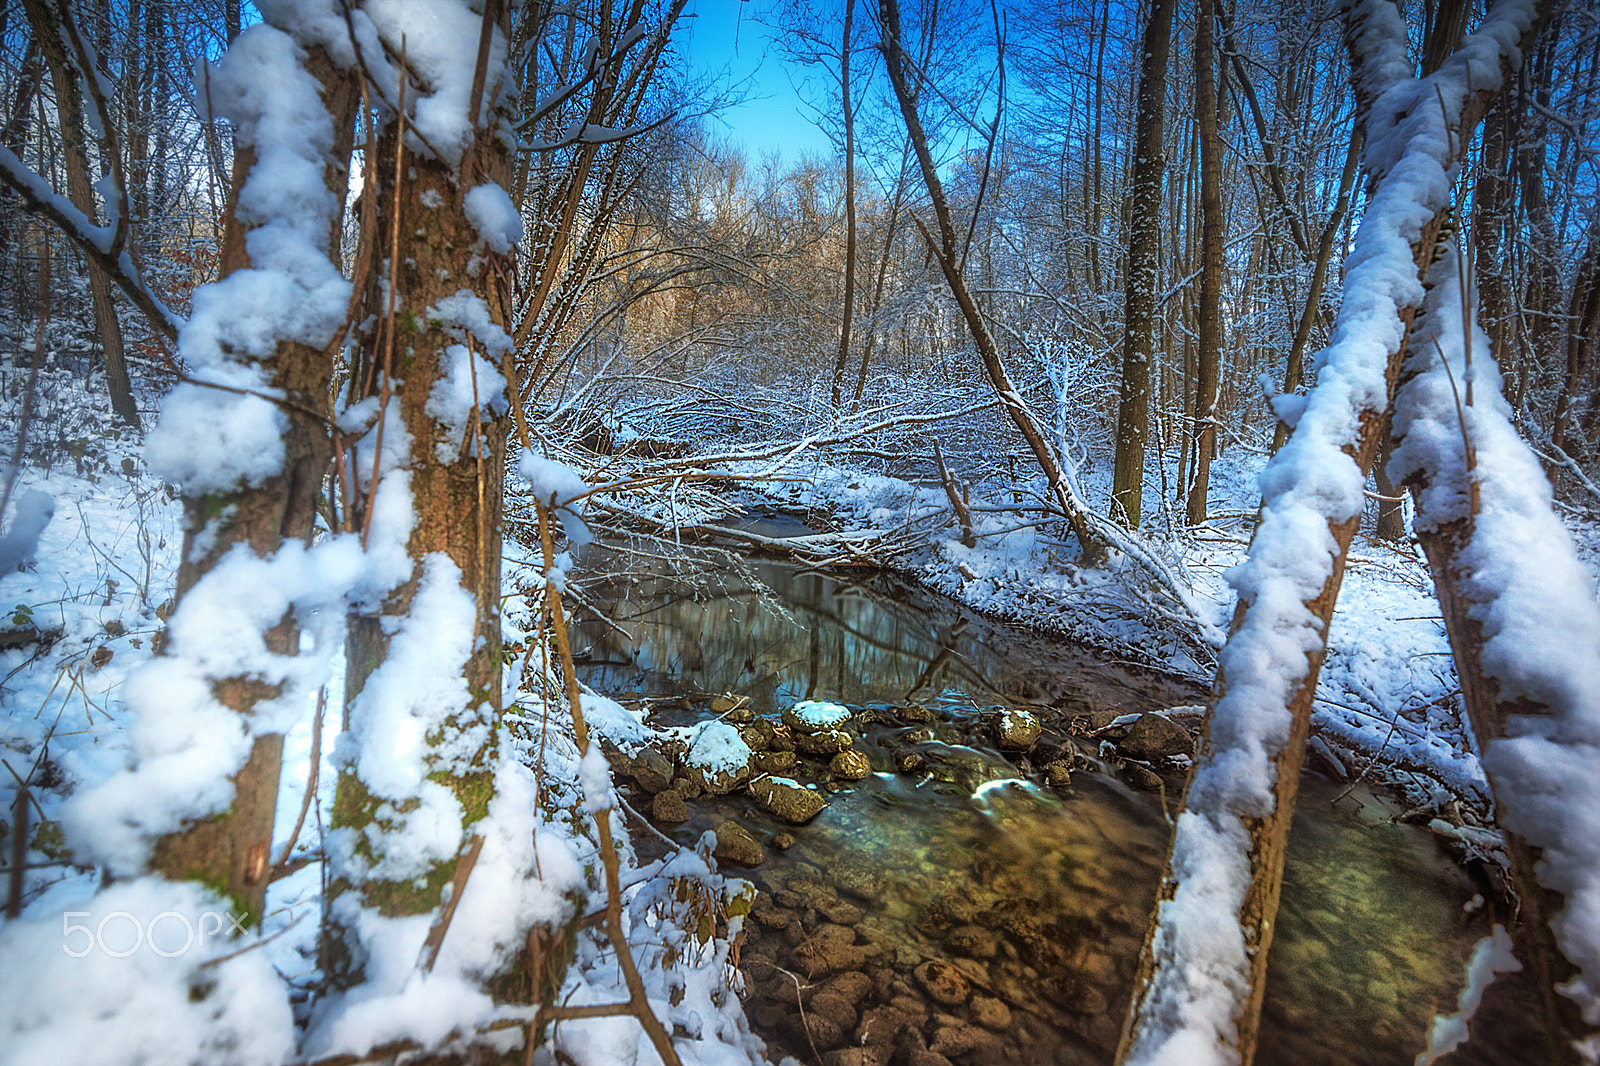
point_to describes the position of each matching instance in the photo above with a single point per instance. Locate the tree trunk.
(1144, 255)
(849, 208)
(1583, 324)
(14, 136)
(64, 75)
(1492, 196)
(1391, 513)
(944, 250)
(456, 477)
(230, 850)
(1212, 235)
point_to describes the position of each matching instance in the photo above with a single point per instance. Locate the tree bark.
(1144, 255)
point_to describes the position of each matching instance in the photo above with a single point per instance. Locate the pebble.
(787, 800)
(737, 847)
(924, 1057)
(973, 940)
(1016, 730)
(990, 1013)
(668, 808)
(827, 742)
(839, 912)
(775, 762)
(1154, 737)
(909, 762)
(835, 1008)
(944, 983)
(961, 1039)
(852, 986)
(849, 766)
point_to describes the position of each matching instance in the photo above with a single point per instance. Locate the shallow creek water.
(1001, 922)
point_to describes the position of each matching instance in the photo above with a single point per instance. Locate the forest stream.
(964, 903)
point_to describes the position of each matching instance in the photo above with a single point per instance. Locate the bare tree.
(70, 66)
(1144, 250)
(1212, 235)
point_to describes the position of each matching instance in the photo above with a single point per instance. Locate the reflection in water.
(779, 634)
(1039, 898)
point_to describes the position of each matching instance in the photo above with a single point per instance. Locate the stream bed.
(960, 905)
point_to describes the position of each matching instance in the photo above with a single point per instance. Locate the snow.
(820, 714)
(468, 382)
(144, 1007)
(213, 441)
(466, 315)
(29, 517)
(490, 210)
(393, 747)
(1491, 956)
(552, 480)
(440, 42)
(717, 748)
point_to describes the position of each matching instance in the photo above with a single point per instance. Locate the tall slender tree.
(1212, 235)
(1144, 257)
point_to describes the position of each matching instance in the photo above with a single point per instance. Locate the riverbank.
(1387, 708)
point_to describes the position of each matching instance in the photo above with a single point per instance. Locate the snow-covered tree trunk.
(232, 847)
(246, 442)
(1524, 630)
(416, 850)
(1202, 973)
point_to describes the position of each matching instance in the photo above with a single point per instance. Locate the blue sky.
(726, 33)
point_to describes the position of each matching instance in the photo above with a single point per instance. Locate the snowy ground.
(87, 612)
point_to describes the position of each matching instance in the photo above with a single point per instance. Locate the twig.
(638, 999)
(261, 943)
(458, 885)
(311, 779)
(19, 852)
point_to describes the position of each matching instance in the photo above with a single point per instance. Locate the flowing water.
(976, 911)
